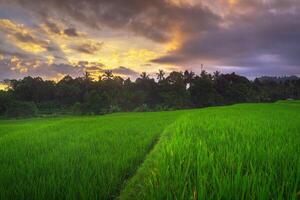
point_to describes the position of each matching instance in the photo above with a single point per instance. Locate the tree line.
(178, 90)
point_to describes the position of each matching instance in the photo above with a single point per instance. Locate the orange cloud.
(233, 2)
(27, 46)
(22, 37)
(176, 41)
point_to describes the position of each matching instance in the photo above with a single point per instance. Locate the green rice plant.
(75, 157)
(246, 151)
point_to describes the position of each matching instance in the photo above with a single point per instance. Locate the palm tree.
(108, 75)
(144, 76)
(160, 75)
(216, 75)
(188, 76)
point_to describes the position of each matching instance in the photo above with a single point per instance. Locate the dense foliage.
(21, 109)
(110, 93)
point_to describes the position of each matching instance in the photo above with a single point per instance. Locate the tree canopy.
(178, 90)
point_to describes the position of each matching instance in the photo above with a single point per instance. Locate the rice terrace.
(243, 151)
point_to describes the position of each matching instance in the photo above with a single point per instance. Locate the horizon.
(5, 86)
(152, 75)
(51, 39)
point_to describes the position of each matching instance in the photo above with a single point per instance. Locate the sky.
(53, 38)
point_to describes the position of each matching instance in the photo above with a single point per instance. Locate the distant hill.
(278, 79)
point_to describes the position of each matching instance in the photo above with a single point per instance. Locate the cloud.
(53, 27)
(31, 50)
(242, 33)
(125, 71)
(266, 34)
(25, 42)
(96, 67)
(18, 68)
(15, 67)
(154, 19)
(89, 47)
(91, 66)
(72, 32)
(9, 53)
(9, 50)
(22, 37)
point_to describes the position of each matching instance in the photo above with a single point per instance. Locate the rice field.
(75, 157)
(247, 151)
(244, 151)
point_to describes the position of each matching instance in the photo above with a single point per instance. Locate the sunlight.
(233, 2)
(184, 2)
(30, 47)
(50, 59)
(176, 41)
(3, 87)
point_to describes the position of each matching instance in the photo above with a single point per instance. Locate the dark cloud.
(8, 50)
(19, 33)
(154, 19)
(89, 48)
(125, 71)
(24, 37)
(71, 32)
(91, 66)
(53, 27)
(99, 67)
(9, 53)
(57, 29)
(83, 63)
(63, 68)
(247, 33)
(94, 68)
(264, 36)
(18, 68)
(170, 59)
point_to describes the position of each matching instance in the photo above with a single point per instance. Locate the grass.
(75, 157)
(245, 151)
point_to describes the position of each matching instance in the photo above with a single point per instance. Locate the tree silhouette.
(144, 76)
(107, 75)
(113, 93)
(160, 75)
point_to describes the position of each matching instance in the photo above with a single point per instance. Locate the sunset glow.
(147, 36)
